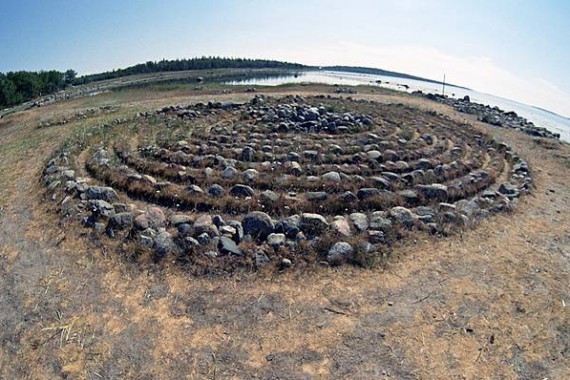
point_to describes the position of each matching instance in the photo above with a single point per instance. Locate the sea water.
(539, 117)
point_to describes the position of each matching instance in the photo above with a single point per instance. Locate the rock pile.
(493, 115)
(274, 180)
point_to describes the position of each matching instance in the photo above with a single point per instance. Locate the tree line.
(20, 86)
(203, 63)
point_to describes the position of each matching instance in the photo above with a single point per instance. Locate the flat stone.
(177, 219)
(331, 177)
(242, 191)
(316, 196)
(229, 247)
(107, 194)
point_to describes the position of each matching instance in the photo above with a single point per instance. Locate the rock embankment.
(493, 115)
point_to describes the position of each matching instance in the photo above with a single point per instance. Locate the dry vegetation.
(491, 302)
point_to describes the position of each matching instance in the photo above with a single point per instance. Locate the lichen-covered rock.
(403, 216)
(204, 224)
(340, 252)
(359, 221)
(313, 224)
(153, 218)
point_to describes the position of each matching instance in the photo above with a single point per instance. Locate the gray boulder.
(313, 224)
(102, 193)
(331, 177)
(153, 218)
(230, 173)
(379, 221)
(341, 226)
(434, 191)
(359, 221)
(204, 224)
(403, 216)
(216, 190)
(228, 247)
(289, 226)
(164, 244)
(258, 224)
(120, 221)
(340, 252)
(242, 191)
(101, 208)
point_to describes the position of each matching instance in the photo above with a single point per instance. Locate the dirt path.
(490, 303)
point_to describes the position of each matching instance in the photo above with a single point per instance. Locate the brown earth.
(488, 303)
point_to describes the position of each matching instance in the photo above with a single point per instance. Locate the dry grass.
(488, 303)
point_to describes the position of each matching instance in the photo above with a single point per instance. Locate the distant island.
(373, 71)
(550, 112)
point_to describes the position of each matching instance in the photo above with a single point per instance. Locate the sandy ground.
(488, 303)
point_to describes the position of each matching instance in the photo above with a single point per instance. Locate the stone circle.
(284, 181)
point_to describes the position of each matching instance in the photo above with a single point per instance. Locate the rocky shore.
(492, 115)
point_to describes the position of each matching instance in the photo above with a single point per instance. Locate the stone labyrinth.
(279, 182)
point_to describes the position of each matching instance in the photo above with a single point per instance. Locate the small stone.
(340, 252)
(286, 263)
(229, 173)
(331, 177)
(204, 224)
(276, 240)
(216, 190)
(261, 258)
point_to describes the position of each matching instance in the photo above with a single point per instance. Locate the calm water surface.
(550, 121)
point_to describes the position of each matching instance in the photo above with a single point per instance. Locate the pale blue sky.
(519, 49)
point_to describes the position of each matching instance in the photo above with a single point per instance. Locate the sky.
(517, 49)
